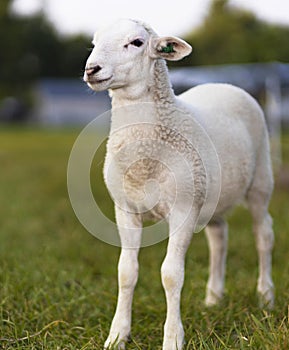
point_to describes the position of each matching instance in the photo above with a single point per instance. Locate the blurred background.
(44, 45)
(54, 276)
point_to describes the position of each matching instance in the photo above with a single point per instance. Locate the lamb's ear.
(170, 48)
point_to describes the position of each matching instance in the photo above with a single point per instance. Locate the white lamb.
(164, 139)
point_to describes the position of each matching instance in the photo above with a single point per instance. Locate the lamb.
(166, 155)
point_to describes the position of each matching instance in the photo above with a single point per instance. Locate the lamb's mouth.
(99, 81)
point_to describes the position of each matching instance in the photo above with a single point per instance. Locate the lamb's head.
(124, 53)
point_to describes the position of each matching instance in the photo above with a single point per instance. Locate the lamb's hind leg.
(217, 236)
(262, 224)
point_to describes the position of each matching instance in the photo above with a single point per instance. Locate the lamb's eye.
(137, 43)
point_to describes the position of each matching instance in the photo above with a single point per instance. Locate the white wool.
(166, 156)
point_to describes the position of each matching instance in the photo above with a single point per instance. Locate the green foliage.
(31, 48)
(233, 35)
(59, 284)
(4, 5)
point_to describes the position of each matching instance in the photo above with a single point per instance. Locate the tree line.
(31, 47)
(233, 35)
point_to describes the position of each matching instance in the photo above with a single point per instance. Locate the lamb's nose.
(92, 70)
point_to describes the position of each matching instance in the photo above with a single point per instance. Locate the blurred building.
(67, 102)
(71, 102)
(267, 82)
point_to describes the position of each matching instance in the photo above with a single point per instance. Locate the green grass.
(58, 283)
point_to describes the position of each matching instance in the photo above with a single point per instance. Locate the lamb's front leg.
(173, 278)
(129, 226)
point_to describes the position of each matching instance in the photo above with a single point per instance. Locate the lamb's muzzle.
(92, 70)
(91, 74)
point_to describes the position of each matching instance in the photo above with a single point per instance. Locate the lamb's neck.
(128, 95)
(156, 90)
(162, 91)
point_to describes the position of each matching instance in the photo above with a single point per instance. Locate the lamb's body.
(236, 125)
(207, 150)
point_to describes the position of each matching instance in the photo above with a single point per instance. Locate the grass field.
(58, 283)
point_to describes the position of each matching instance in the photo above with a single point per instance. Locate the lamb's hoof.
(112, 343)
(171, 344)
(212, 299)
(266, 300)
(175, 341)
